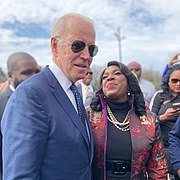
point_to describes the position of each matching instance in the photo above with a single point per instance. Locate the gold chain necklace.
(124, 126)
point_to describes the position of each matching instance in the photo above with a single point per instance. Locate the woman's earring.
(128, 91)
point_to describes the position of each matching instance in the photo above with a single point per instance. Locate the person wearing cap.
(146, 86)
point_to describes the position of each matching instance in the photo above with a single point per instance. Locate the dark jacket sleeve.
(156, 104)
(174, 149)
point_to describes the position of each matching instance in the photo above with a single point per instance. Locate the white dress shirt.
(90, 90)
(64, 82)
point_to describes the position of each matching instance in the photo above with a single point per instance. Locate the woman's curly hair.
(134, 88)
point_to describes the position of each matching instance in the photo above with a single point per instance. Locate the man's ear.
(54, 44)
(10, 77)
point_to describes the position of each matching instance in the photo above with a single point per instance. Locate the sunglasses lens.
(90, 73)
(77, 46)
(174, 80)
(93, 49)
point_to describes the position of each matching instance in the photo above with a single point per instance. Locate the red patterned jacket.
(147, 148)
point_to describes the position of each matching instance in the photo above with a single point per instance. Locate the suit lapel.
(66, 104)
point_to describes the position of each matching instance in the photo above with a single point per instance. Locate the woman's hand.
(170, 113)
(174, 59)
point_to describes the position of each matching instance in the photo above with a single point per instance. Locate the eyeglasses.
(174, 81)
(78, 45)
(90, 73)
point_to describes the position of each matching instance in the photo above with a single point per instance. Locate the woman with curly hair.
(164, 109)
(127, 138)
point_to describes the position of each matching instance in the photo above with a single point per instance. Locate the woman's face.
(114, 84)
(174, 82)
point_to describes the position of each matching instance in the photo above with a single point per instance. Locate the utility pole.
(119, 38)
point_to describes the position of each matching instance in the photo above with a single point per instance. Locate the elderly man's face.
(74, 65)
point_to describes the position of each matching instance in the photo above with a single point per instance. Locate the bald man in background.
(20, 66)
(146, 86)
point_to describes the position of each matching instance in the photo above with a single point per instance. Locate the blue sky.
(150, 29)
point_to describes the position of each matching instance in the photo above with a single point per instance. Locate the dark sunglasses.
(78, 45)
(174, 81)
(90, 73)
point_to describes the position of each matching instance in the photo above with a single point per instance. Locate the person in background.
(3, 81)
(86, 89)
(174, 60)
(40, 67)
(164, 109)
(127, 139)
(146, 86)
(20, 66)
(3, 86)
(174, 148)
(46, 132)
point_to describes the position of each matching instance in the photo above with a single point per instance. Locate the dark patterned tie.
(79, 102)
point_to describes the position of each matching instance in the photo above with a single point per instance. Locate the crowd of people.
(55, 125)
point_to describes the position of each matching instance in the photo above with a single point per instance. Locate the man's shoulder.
(145, 82)
(36, 83)
(40, 78)
(6, 93)
(94, 88)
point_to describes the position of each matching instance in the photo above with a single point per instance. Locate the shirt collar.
(11, 88)
(62, 79)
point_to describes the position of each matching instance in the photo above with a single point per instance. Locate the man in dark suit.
(86, 89)
(20, 66)
(43, 135)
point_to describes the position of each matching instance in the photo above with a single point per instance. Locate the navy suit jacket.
(43, 136)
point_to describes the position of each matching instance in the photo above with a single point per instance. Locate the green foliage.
(97, 70)
(153, 76)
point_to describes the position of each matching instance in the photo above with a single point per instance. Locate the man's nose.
(85, 53)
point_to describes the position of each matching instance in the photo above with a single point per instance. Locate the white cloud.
(151, 28)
